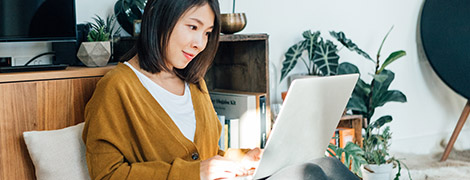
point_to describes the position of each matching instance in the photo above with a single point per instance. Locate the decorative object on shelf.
(232, 22)
(366, 98)
(127, 11)
(97, 51)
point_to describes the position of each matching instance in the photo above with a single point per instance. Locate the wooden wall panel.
(38, 105)
(18, 114)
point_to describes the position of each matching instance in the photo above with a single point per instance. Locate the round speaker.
(445, 34)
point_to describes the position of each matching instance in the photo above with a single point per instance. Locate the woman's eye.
(192, 27)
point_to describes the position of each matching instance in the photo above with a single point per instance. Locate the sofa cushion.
(58, 154)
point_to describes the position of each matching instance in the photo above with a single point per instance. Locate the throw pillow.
(58, 154)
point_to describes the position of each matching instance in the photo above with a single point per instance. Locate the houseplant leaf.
(381, 121)
(357, 104)
(359, 99)
(311, 42)
(389, 96)
(380, 92)
(291, 57)
(347, 68)
(341, 37)
(392, 57)
(325, 58)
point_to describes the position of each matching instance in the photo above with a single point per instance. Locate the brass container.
(232, 22)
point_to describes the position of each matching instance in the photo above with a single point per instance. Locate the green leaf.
(359, 98)
(383, 41)
(382, 121)
(380, 77)
(357, 104)
(347, 68)
(325, 58)
(392, 57)
(389, 96)
(291, 57)
(341, 37)
(311, 40)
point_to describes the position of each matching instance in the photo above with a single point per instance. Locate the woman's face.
(189, 36)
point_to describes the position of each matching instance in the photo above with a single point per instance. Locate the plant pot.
(94, 54)
(381, 172)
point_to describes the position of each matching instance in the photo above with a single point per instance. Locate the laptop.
(306, 122)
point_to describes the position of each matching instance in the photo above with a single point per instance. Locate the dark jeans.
(326, 168)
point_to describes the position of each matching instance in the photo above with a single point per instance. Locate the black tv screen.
(37, 20)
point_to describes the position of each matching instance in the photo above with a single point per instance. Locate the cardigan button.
(195, 156)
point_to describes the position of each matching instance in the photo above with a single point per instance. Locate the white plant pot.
(382, 172)
(94, 54)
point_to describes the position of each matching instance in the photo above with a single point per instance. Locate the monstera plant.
(127, 11)
(321, 56)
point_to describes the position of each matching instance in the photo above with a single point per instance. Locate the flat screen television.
(37, 20)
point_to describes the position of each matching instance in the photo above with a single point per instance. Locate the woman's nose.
(199, 42)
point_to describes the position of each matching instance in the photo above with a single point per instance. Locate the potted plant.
(318, 55)
(97, 51)
(365, 98)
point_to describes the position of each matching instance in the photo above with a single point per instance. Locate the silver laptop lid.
(306, 122)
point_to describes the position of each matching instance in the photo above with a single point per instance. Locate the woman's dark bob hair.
(158, 21)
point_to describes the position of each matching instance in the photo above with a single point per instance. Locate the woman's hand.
(251, 159)
(218, 167)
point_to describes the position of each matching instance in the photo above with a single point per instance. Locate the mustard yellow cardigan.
(128, 135)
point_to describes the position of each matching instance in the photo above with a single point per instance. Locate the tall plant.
(366, 97)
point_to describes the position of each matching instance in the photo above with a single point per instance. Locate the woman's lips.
(188, 56)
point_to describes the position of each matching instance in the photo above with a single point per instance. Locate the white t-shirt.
(179, 108)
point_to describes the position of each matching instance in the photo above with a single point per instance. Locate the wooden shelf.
(243, 37)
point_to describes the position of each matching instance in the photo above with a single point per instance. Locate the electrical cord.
(35, 57)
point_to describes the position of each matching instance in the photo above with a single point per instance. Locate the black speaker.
(66, 53)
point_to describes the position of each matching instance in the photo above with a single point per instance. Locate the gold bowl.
(232, 22)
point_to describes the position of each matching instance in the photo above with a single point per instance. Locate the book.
(222, 134)
(345, 135)
(249, 108)
(233, 133)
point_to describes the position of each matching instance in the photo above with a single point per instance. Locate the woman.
(151, 117)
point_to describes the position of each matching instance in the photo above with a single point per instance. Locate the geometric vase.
(94, 54)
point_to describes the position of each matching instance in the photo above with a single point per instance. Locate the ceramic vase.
(94, 54)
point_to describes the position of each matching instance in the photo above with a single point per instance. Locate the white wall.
(432, 109)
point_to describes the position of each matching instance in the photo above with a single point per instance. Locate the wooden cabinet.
(39, 101)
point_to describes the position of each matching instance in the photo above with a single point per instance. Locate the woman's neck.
(167, 80)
